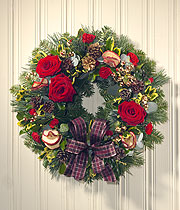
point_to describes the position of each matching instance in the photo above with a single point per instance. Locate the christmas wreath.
(68, 139)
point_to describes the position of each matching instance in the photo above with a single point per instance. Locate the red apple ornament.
(51, 138)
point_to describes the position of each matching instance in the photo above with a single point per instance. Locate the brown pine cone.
(48, 106)
(67, 64)
(94, 50)
(125, 94)
(36, 102)
(62, 156)
(137, 86)
(88, 63)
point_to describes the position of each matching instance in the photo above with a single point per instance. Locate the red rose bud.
(32, 112)
(48, 66)
(88, 38)
(61, 89)
(105, 72)
(131, 113)
(149, 128)
(36, 137)
(133, 58)
(54, 122)
(151, 79)
(109, 133)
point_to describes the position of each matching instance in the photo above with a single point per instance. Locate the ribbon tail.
(69, 168)
(97, 165)
(108, 174)
(77, 166)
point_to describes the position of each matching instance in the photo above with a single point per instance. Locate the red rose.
(109, 133)
(88, 38)
(151, 79)
(32, 112)
(54, 122)
(36, 137)
(105, 72)
(133, 58)
(48, 66)
(149, 128)
(131, 112)
(61, 89)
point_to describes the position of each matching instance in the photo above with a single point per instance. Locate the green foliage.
(83, 84)
(155, 138)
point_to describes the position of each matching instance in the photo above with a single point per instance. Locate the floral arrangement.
(55, 125)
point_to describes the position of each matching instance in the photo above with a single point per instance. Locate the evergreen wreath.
(55, 125)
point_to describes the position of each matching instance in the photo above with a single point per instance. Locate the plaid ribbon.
(79, 149)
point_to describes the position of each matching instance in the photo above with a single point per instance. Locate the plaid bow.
(80, 150)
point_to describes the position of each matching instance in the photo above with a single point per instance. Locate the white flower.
(75, 59)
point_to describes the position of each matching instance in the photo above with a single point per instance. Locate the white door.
(154, 26)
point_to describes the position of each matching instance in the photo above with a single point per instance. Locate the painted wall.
(154, 26)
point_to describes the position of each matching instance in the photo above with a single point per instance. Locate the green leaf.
(62, 168)
(35, 128)
(45, 163)
(61, 107)
(80, 32)
(140, 66)
(113, 90)
(20, 115)
(63, 145)
(54, 52)
(64, 128)
(22, 132)
(110, 43)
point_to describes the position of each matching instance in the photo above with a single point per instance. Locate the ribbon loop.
(98, 131)
(78, 129)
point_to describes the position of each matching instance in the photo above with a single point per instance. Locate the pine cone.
(125, 94)
(48, 106)
(62, 156)
(120, 154)
(88, 63)
(94, 50)
(36, 102)
(137, 86)
(67, 64)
